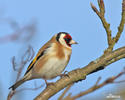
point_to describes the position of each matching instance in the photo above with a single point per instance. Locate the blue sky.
(53, 16)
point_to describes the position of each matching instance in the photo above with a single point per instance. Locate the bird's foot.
(64, 74)
(49, 84)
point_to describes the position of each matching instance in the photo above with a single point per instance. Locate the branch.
(106, 25)
(28, 55)
(96, 86)
(115, 39)
(122, 23)
(65, 91)
(107, 58)
(20, 33)
(101, 15)
(12, 93)
(80, 74)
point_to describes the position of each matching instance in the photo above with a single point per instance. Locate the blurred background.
(36, 21)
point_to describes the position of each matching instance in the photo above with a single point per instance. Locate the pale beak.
(73, 42)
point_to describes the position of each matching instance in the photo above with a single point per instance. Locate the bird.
(51, 59)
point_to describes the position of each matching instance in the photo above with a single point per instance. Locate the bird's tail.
(18, 83)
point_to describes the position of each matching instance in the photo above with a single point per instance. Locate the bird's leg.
(48, 84)
(64, 74)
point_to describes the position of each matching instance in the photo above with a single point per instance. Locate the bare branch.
(101, 7)
(79, 74)
(20, 34)
(101, 14)
(95, 9)
(33, 89)
(25, 58)
(104, 60)
(65, 91)
(11, 22)
(95, 87)
(122, 23)
(12, 93)
(14, 64)
(28, 55)
(98, 80)
(107, 58)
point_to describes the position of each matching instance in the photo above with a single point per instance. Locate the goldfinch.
(50, 60)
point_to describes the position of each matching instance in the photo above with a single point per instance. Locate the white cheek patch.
(62, 41)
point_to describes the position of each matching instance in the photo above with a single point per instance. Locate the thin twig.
(101, 14)
(97, 86)
(101, 7)
(12, 93)
(20, 34)
(25, 58)
(14, 64)
(33, 89)
(98, 80)
(64, 92)
(122, 23)
(28, 55)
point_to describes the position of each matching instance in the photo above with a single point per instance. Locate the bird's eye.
(67, 39)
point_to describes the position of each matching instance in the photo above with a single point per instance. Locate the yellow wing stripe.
(34, 60)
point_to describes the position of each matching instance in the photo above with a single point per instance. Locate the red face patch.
(67, 39)
(68, 36)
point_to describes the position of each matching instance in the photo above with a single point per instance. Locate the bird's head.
(65, 39)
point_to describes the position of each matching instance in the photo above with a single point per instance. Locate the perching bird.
(50, 60)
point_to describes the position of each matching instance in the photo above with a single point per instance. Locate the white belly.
(53, 68)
